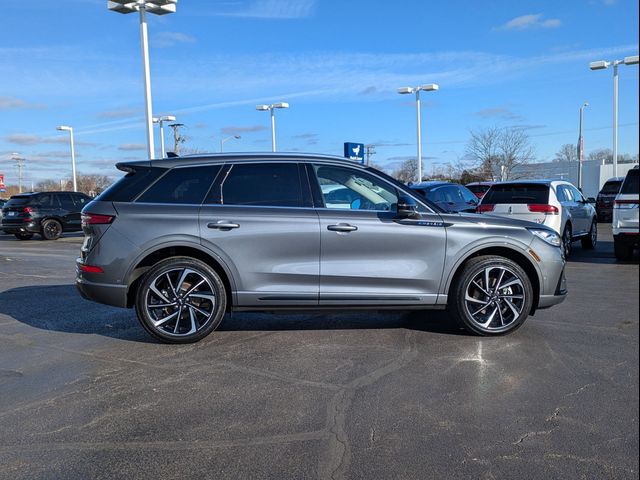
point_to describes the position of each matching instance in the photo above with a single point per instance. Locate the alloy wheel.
(180, 302)
(495, 298)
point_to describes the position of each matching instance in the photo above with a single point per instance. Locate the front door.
(368, 255)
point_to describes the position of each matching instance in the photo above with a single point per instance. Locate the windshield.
(525, 193)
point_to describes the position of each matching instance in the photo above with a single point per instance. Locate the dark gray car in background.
(184, 240)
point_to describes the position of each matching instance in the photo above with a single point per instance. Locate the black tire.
(622, 250)
(464, 283)
(184, 320)
(24, 236)
(590, 241)
(51, 229)
(567, 240)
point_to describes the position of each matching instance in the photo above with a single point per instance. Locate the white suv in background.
(625, 216)
(554, 203)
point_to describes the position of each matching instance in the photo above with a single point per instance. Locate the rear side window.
(611, 188)
(49, 200)
(630, 185)
(67, 202)
(260, 184)
(183, 185)
(520, 193)
(129, 187)
(80, 200)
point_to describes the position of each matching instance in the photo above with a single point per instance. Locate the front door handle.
(223, 225)
(342, 227)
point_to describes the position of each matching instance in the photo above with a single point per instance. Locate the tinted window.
(630, 185)
(129, 187)
(611, 188)
(366, 191)
(19, 200)
(47, 200)
(467, 195)
(517, 193)
(80, 200)
(184, 185)
(66, 201)
(261, 184)
(478, 188)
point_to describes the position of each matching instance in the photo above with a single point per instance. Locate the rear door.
(583, 210)
(259, 219)
(369, 256)
(69, 212)
(571, 204)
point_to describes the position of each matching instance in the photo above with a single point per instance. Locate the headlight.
(552, 238)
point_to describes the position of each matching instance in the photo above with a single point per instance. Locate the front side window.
(575, 193)
(261, 185)
(183, 185)
(358, 190)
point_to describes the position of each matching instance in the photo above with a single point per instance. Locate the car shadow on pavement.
(60, 308)
(602, 254)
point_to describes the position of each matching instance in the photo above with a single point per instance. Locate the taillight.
(96, 219)
(543, 208)
(482, 208)
(91, 269)
(27, 210)
(626, 204)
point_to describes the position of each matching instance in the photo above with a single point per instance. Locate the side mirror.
(407, 207)
(591, 200)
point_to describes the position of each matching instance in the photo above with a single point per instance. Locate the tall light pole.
(225, 140)
(601, 65)
(271, 108)
(65, 128)
(158, 7)
(581, 147)
(431, 87)
(20, 164)
(159, 120)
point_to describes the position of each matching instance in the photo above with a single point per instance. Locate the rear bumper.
(109, 294)
(627, 238)
(22, 227)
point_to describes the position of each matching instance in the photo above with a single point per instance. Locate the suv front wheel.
(492, 296)
(181, 300)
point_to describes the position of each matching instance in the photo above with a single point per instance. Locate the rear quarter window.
(631, 185)
(517, 193)
(181, 185)
(129, 187)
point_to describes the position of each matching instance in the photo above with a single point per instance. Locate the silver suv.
(185, 240)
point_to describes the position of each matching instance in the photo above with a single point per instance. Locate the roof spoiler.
(132, 166)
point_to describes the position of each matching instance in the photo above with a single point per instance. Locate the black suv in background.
(606, 196)
(46, 213)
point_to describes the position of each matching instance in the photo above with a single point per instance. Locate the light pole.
(601, 65)
(407, 90)
(224, 140)
(159, 120)
(158, 7)
(65, 128)
(20, 164)
(581, 147)
(271, 108)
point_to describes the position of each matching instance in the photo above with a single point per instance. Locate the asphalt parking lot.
(85, 393)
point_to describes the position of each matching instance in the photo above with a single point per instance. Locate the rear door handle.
(223, 225)
(342, 227)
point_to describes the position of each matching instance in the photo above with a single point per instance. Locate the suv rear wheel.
(492, 296)
(181, 300)
(51, 229)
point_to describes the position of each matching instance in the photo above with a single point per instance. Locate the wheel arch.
(503, 251)
(150, 258)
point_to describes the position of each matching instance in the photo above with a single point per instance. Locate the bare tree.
(567, 153)
(497, 152)
(601, 155)
(407, 172)
(48, 186)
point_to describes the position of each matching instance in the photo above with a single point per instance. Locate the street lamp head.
(430, 87)
(632, 60)
(600, 65)
(262, 108)
(158, 7)
(64, 128)
(585, 104)
(405, 90)
(280, 105)
(164, 118)
(237, 137)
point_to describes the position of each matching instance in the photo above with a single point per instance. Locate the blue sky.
(337, 63)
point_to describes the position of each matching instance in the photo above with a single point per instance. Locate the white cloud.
(13, 103)
(271, 9)
(171, 39)
(530, 21)
(132, 147)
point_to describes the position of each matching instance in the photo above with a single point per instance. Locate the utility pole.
(369, 150)
(20, 164)
(177, 138)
